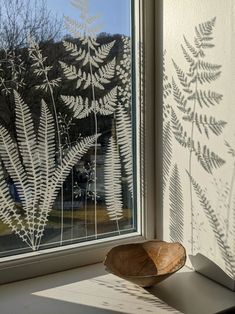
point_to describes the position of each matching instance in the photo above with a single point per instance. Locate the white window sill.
(91, 290)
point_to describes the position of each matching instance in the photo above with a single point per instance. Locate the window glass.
(66, 170)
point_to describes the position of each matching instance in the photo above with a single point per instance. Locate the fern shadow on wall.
(193, 96)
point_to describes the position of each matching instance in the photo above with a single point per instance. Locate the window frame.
(71, 256)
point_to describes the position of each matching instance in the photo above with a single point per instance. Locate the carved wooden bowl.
(145, 264)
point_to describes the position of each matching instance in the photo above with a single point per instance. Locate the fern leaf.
(181, 76)
(70, 71)
(179, 97)
(59, 176)
(28, 147)
(205, 123)
(167, 153)
(74, 27)
(112, 180)
(207, 77)
(206, 98)
(107, 104)
(8, 212)
(81, 106)
(191, 48)
(11, 159)
(71, 48)
(178, 131)
(176, 207)
(216, 228)
(63, 170)
(104, 74)
(103, 51)
(207, 66)
(124, 140)
(208, 160)
(46, 146)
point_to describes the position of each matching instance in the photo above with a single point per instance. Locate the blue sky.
(114, 14)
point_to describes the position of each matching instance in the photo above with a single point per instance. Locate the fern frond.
(207, 66)
(28, 147)
(71, 48)
(46, 146)
(75, 28)
(206, 124)
(207, 98)
(11, 159)
(103, 51)
(206, 28)
(191, 48)
(181, 76)
(176, 207)
(59, 176)
(81, 106)
(70, 71)
(9, 214)
(167, 152)
(216, 228)
(112, 180)
(178, 130)
(179, 97)
(107, 104)
(207, 77)
(188, 58)
(208, 160)
(104, 74)
(63, 170)
(124, 140)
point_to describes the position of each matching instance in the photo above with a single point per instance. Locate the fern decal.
(37, 179)
(123, 120)
(113, 186)
(191, 94)
(176, 207)
(92, 72)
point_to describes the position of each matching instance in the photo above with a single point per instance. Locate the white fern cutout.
(113, 186)
(124, 140)
(91, 70)
(37, 180)
(83, 107)
(123, 123)
(27, 144)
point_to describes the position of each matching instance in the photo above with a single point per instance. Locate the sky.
(114, 14)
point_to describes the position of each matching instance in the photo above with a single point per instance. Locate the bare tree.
(20, 19)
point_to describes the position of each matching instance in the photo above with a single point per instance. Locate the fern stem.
(230, 201)
(118, 227)
(85, 223)
(96, 132)
(190, 163)
(72, 183)
(60, 151)
(60, 157)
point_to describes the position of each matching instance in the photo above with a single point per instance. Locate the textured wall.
(199, 128)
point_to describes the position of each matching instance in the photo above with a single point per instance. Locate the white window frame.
(66, 257)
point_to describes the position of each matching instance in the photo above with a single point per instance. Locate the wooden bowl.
(145, 264)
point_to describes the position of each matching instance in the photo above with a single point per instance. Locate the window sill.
(91, 290)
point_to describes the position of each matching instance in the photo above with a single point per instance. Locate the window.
(70, 117)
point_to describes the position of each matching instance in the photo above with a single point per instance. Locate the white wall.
(180, 19)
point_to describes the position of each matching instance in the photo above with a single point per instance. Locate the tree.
(20, 19)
